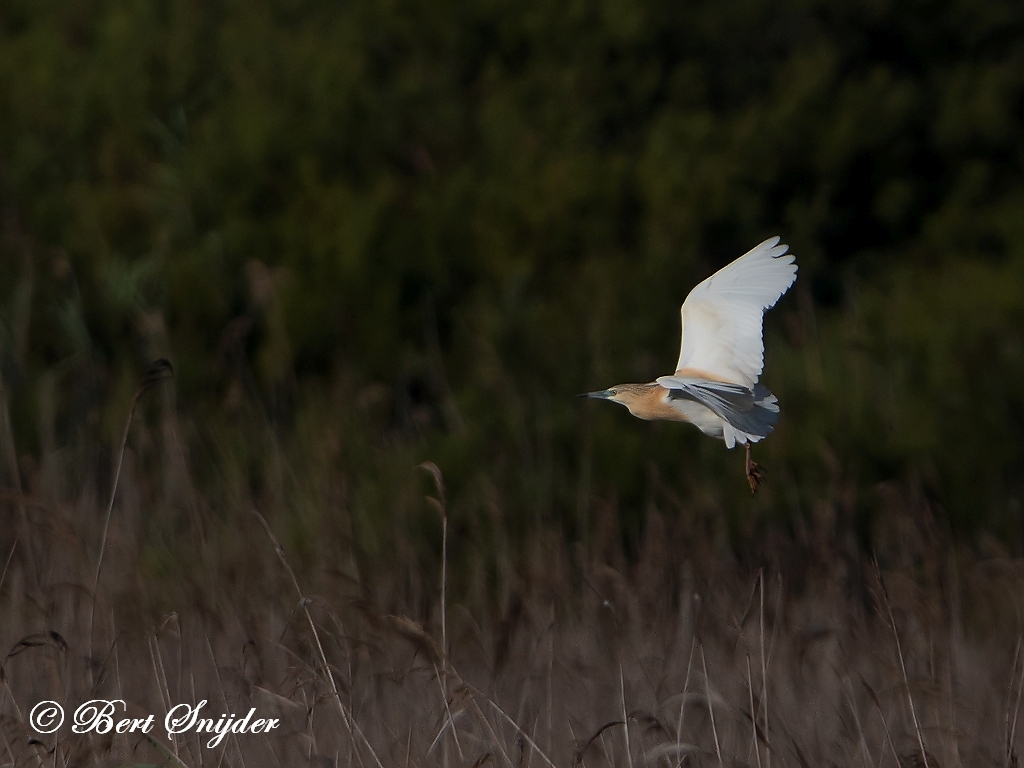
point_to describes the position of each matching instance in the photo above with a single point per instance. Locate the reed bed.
(442, 646)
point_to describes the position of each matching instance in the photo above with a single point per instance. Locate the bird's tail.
(753, 420)
(749, 414)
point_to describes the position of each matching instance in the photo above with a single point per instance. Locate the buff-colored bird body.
(721, 355)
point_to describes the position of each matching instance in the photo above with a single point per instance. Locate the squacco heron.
(721, 356)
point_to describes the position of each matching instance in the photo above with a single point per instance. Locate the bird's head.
(624, 394)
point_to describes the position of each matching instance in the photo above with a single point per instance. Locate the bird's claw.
(755, 476)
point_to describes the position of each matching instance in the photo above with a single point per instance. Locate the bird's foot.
(755, 476)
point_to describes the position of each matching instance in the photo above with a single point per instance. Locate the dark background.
(370, 234)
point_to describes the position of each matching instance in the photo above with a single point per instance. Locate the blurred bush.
(373, 233)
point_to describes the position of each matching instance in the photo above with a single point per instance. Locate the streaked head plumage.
(621, 393)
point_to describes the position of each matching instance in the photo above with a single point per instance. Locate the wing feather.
(748, 414)
(723, 317)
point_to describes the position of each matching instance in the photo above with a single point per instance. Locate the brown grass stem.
(686, 687)
(753, 713)
(1009, 692)
(711, 709)
(349, 721)
(903, 669)
(448, 713)
(763, 702)
(15, 472)
(165, 751)
(526, 737)
(441, 505)
(7, 563)
(625, 716)
(550, 675)
(490, 730)
(158, 371)
(846, 687)
(1016, 712)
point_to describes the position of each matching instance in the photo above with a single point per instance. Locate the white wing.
(723, 316)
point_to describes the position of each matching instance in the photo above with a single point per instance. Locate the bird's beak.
(603, 394)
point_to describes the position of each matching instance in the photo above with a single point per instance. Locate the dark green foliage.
(409, 230)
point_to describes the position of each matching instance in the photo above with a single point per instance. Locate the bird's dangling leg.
(755, 474)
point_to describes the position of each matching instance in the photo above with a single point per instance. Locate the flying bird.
(721, 356)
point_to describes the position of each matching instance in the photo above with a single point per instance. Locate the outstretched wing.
(723, 316)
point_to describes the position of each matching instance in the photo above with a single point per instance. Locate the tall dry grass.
(793, 650)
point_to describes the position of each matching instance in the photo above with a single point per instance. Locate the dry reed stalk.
(494, 736)
(550, 672)
(845, 684)
(903, 669)
(439, 675)
(15, 472)
(161, 677)
(158, 371)
(686, 686)
(885, 725)
(7, 563)
(10, 752)
(223, 698)
(441, 505)
(346, 718)
(753, 714)
(117, 661)
(764, 681)
(526, 737)
(1016, 712)
(471, 694)
(625, 715)
(164, 750)
(1009, 691)
(952, 712)
(164, 702)
(711, 709)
